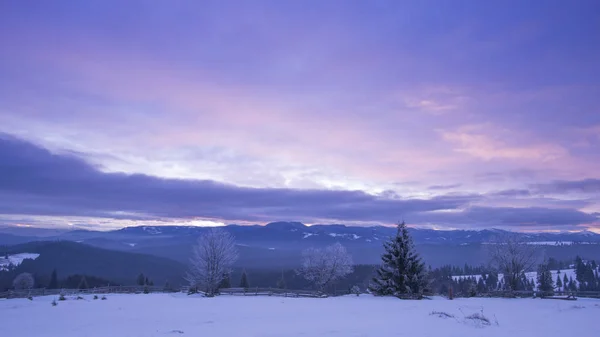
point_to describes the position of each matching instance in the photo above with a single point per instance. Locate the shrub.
(480, 318)
(95, 297)
(30, 298)
(103, 298)
(54, 303)
(62, 297)
(441, 314)
(79, 297)
(355, 290)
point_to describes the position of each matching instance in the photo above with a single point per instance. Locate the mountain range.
(279, 244)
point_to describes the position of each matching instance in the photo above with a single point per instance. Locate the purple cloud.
(35, 181)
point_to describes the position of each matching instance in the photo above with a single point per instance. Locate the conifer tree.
(244, 281)
(53, 280)
(281, 282)
(402, 271)
(141, 279)
(559, 283)
(225, 282)
(565, 281)
(83, 283)
(572, 285)
(579, 270)
(544, 280)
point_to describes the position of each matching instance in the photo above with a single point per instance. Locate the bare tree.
(513, 257)
(322, 267)
(23, 281)
(211, 260)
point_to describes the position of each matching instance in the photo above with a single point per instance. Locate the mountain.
(279, 244)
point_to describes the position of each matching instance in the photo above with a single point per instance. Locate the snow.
(557, 243)
(307, 235)
(151, 230)
(16, 259)
(352, 236)
(132, 244)
(223, 316)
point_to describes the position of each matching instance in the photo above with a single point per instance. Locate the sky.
(447, 114)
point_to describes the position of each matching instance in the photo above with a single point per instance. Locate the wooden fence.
(266, 292)
(73, 292)
(270, 292)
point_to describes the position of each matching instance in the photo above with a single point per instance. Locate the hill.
(70, 258)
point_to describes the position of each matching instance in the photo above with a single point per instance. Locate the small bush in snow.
(95, 297)
(30, 298)
(54, 303)
(355, 290)
(79, 297)
(441, 314)
(103, 298)
(480, 318)
(62, 297)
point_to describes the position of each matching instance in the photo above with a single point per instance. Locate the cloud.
(35, 181)
(444, 187)
(513, 218)
(510, 193)
(590, 185)
(479, 142)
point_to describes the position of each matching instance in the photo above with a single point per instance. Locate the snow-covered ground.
(225, 316)
(16, 259)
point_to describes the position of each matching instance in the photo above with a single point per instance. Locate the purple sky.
(449, 114)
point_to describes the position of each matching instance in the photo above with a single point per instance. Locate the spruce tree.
(141, 279)
(402, 271)
(565, 280)
(83, 283)
(225, 282)
(559, 283)
(544, 280)
(281, 282)
(53, 280)
(579, 269)
(244, 281)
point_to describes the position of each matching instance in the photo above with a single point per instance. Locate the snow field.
(225, 316)
(16, 259)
